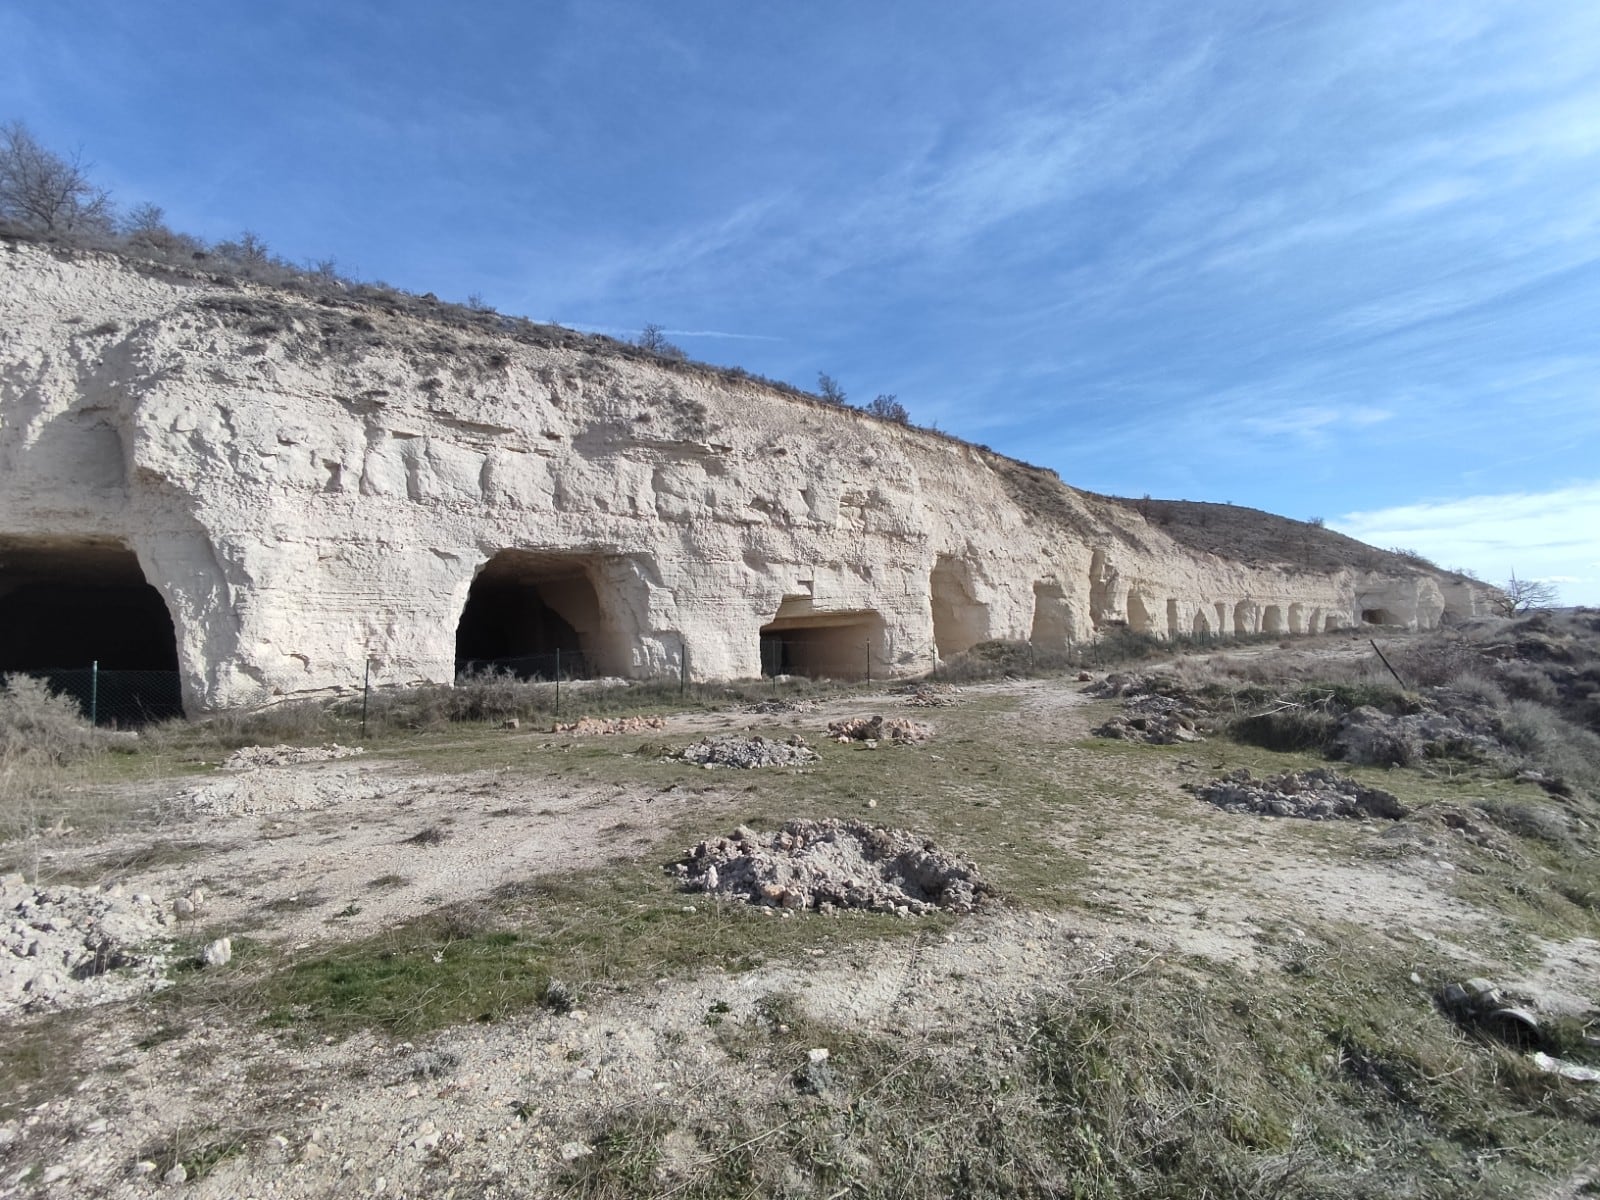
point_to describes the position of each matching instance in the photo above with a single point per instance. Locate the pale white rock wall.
(309, 486)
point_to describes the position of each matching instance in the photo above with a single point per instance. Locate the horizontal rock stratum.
(316, 479)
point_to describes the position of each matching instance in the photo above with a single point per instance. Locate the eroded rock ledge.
(309, 486)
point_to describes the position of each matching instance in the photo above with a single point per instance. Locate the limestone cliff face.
(311, 484)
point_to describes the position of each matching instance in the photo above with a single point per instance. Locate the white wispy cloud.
(1552, 535)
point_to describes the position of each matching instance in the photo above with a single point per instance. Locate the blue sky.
(1335, 260)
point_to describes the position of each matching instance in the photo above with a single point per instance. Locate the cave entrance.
(820, 645)
(1272, 619)
(69, 604)
(538, 616)
(959, 621)
(1379, 616)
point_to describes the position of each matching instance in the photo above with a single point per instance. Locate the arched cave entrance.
(1379, 616)
(821, 645)
(69, 603)
(534, 614)
(1272, 619)
(1297, 618)
(959, 621)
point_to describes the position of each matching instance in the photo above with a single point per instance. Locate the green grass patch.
(583, 935)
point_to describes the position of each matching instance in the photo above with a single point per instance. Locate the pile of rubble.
(778, 706)
(602, 726)
(1120, 684)
(1154, 710)
(933, 695)
(828, 865)
(875, 729)
(1158, 720)
(730, 750)
(1315, 795)
(65, 947)
(249, 758)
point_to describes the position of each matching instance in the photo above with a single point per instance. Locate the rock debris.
(1316, 795)
(827, 865)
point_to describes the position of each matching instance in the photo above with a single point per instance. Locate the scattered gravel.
(248, 758)
(825, 865)
(1316, 795)
(65, 947)
(731, 750)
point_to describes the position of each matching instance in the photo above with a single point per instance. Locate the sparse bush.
(1554, 745)
(38, 723)
(829, 391)
(887, 407)
(654, 339)
(1287, 729)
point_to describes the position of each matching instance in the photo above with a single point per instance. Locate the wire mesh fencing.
(113, 698)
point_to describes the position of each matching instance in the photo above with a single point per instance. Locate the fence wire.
(114, 698)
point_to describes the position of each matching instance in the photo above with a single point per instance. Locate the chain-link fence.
(114, 698)
(557, 664)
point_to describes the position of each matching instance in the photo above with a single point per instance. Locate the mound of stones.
(732, 750)
(828, 865)
(1315, 795)
(778, 706)
(605, 726)
(876, 729)
(249, 758)
(932, 695)
(1151, 711)
(66, 947)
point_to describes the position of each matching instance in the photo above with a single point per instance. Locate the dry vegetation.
(1171, 1001)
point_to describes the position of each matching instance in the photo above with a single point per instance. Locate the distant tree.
(147, 219)
(248, 250)
(41, 190)
(829, 391)
(1526, 595)
(654, 339)
(888, 407)
(1316, 522)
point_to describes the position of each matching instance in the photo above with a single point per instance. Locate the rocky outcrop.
(315, 482)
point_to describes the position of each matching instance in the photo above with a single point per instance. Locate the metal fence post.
(366, 693)
(558, 681)
(868, 648)
(94, 692)
(683, 672)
